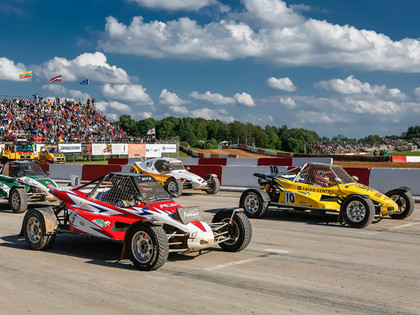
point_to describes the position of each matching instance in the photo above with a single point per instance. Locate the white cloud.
(179, 110)
(10, 71)
(127, 92)
(106, 106)
(209, 114)
(169, 98)
(88, 65)
(269, 31)
(76, 94)
(352, 86)
(417, 93)
(244, 98)
(284, 84)
(288, 102)
(216, 98)
(187, 5)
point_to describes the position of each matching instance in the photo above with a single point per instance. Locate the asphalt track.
(296, 263)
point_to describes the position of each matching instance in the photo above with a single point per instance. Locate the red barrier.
(396, 158)
(118, 161)
(212, 161)
(275, 161)
(203, 170)
(45, 167)
(361, 172)
(93, 171)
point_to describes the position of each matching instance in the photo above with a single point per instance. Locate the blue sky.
(335, 67)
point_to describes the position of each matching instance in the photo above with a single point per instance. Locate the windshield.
(31, 169)
(177, 165)
(151, 190)
(24, 147)
(53, 150)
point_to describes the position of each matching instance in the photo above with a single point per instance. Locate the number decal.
(274, 170)
(290, 197)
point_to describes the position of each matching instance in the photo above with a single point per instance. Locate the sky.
(349, 67)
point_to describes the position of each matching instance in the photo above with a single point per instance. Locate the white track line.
(244, 261)
(404, 226)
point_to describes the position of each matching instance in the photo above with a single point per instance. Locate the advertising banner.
(168, 148)
(136, 150)
(153, 150)
(67, 148)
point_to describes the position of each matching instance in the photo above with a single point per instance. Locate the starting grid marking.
(244, 261)
(389, 229)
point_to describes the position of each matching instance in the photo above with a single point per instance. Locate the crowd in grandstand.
(380, 148)
(55, 120)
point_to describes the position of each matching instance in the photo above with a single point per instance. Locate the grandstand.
(55, 120)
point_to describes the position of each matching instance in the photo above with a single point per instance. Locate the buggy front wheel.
(357, 211)
(239, 230)
(148, 247)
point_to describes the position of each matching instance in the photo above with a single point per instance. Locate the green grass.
(408, 153)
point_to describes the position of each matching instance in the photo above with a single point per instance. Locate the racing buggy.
(174, 177)
(23, 182)
(326, 188)
(135, 210)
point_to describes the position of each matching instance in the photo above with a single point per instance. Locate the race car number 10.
(290, 197)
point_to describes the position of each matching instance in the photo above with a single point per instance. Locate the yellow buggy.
(326, 188)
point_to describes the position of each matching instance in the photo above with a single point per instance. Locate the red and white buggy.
(135, 210)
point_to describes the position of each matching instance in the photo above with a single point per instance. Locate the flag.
(56, 79)
(84, 82)
(151, 131)
(24, 75)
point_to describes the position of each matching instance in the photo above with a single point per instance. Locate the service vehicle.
(326, 188)
(135, 210)
(50, 154)
(23, 182)
(19, 150)
(174, 177)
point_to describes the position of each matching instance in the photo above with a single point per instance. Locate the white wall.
(298, 161)
(385, 179)
(63, 171)
(242, 176)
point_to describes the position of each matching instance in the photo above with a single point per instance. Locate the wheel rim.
(34, 230)
(356, 211)
(251, 203)
(15, 201)
(400, 201)
(233, 231)
(173, 186)
(142, 247)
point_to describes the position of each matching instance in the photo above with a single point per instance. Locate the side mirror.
(48, 173)
(188, 168)
(355, 178)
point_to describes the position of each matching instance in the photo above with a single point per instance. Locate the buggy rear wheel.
(148, 247)
(34, 231)
(213, 185)
(357, 211)
(254, 203)
(18, 200)
(174, 187)
(405, 202)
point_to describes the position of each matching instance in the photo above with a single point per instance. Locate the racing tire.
(254, 202)
(34, 231)
(174, 187)
(357, 211)
(18, 200)
(213, 185)
(148, 247)
(240, 231)
(405, 202)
